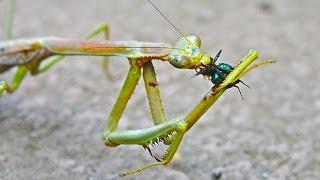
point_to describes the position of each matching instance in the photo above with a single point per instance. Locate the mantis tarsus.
(37, 55)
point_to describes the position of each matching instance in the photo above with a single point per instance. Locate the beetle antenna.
(167, 19)
(217, 56)
(213, 62)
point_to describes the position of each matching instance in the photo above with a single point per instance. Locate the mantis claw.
(176, 134)
(146, 147)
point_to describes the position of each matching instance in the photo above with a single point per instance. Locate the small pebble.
(216, 175)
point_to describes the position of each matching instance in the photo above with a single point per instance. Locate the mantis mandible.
(37, 55)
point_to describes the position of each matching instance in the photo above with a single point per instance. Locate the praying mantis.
(37, 55)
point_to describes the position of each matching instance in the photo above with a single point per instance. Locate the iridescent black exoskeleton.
(217, 73)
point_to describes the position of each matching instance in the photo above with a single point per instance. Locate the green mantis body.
(37, 55)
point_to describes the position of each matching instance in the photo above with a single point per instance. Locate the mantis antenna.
(167, 19)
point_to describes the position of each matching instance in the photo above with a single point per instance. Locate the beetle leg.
(238, 90)
(244, 84)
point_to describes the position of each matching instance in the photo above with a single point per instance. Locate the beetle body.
(218, 73)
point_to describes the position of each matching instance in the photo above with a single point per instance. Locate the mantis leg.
(45, 64)
(153, 94)
(21, 70)
(209, 99)
(103, 27)
(174, 129)
(126, 91)
(16, 81)
(179, 127)
(50, 61)
(255, 66)
(151, 84)
(3, 87)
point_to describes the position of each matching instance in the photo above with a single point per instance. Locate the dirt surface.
(51, 127)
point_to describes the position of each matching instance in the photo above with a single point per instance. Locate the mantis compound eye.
(180, 61)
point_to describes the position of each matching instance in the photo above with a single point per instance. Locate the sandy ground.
(51, 127)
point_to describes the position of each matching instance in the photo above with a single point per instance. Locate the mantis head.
(187, 53)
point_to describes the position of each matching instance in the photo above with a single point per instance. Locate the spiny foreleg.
(173, 130)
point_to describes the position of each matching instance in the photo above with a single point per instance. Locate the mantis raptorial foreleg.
(156, 132)
(46, 64)
(153, 93)
(265, 62)
(170, 132)
(163, 129)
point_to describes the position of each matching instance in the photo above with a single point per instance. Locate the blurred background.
(50, 128)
